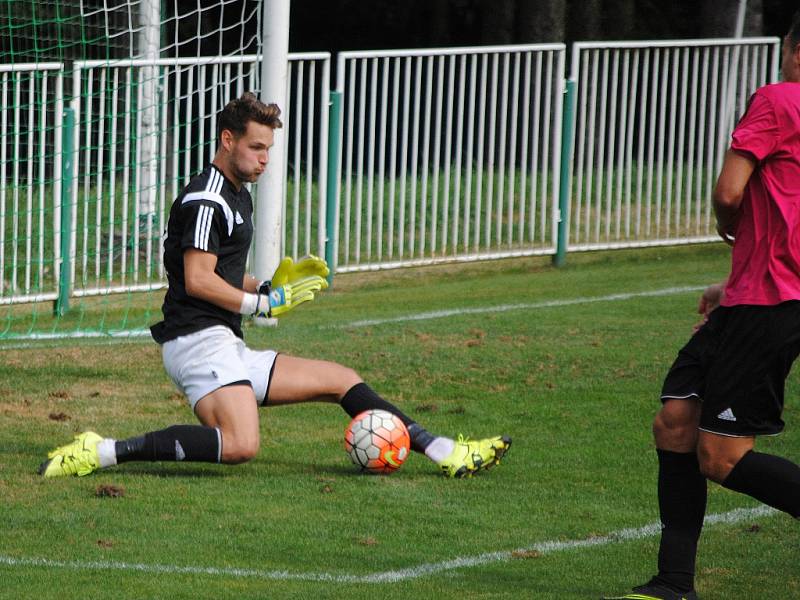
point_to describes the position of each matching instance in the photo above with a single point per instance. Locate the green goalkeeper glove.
(288, 271)
(275, 301)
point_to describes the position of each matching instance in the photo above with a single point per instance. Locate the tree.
(542, 21)
(497, 21)
(719, 18)
(619, 19)
(585, 19)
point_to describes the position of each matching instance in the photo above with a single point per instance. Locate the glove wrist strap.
(264, 290)
(258, 303)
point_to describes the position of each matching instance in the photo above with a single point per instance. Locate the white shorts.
(204, 361)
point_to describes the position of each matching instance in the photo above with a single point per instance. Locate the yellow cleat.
(469, 457)
(76, 458)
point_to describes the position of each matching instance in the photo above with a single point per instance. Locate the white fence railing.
(653, 121)
(306, 122)
(31, 96)
(144, 127)
(448, 154)
(445, 155)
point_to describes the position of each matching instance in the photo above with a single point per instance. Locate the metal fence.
(448, 154)
(443, 155)
(306, 122)
(138, 131)
(145, 127)
(30, 165)
(653, 121)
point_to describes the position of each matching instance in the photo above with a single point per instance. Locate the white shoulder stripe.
(216, 198)
(207, 218)
(198, 226)
(202, 228)
(207, 226)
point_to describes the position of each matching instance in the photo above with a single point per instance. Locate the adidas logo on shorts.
(727, 415)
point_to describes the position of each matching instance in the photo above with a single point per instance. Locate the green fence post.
(61, 305)
(334, 129)
(567, 127)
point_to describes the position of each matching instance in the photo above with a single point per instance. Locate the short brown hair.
(239, 112)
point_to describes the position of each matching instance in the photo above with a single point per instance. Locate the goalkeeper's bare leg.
(306, 380)
(230, 434)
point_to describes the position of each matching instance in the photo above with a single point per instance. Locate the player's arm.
(204, 283)
(729, 191)
(250, 284)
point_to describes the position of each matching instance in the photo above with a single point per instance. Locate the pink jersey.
(765, 267)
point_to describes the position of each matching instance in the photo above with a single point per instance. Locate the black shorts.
(736, 365)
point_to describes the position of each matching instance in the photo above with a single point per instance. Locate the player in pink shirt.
(764, 216)
(727, 384)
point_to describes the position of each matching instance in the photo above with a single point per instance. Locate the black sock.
(193, 443)
(361, 397)
(771, 479)
(682, 492)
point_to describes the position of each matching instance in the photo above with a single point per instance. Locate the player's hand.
(280, 300)
(727, 232)
(709, 300)
(289, 271)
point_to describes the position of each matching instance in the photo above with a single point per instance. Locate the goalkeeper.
(207, 242)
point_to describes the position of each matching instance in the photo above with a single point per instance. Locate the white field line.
(37, 340)
(30, 340)
(615, 537)
(122, 333)
(439, 314)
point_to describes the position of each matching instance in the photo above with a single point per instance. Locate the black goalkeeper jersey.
(212, 216)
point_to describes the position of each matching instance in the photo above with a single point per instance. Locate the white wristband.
(249, 304)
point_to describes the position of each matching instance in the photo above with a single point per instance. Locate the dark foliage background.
(358, 24)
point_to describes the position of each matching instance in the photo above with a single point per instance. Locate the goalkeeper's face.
(249, 153)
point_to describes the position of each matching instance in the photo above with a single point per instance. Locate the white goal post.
(274, 71)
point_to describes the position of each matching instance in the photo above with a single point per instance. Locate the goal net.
(106, 110)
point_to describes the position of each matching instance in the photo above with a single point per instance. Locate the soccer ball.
(377, 441)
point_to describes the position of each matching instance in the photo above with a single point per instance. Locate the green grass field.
(572, 373)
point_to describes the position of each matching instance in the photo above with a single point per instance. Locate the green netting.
(106, 110)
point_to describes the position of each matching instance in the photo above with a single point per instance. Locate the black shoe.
(654, 591)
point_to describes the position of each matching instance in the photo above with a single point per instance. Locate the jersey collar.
(228, 181)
